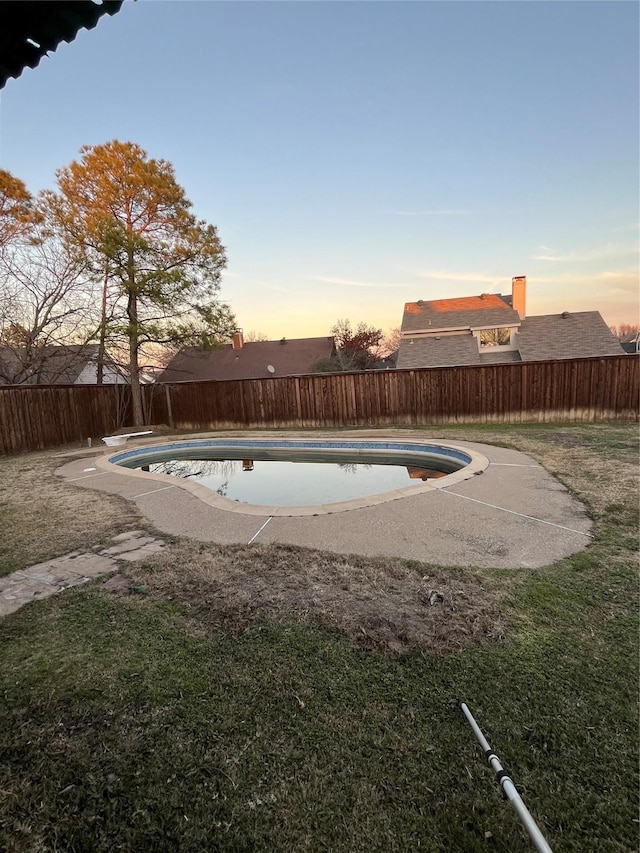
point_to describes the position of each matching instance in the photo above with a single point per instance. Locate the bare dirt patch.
(389, 605)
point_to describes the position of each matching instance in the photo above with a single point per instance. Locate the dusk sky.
(358, 155)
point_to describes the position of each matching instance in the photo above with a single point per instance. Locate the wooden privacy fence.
(33, 417)
(585, 389)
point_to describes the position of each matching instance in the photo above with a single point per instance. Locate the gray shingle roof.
(438, 352)
(582, 334)
(468, 312)
(500, 357)
(250, 362)
(449, 351)
(549, 336)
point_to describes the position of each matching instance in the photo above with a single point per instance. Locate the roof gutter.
(433, 330)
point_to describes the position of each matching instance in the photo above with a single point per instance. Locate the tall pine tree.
(161, 265)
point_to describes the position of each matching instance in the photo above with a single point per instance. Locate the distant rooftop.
(467, 312)
(250, 360)
(582, 334)
(452, 332)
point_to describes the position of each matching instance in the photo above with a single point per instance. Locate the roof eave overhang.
(31, 30)
(433, 330)
(511, 324)
(437, 330)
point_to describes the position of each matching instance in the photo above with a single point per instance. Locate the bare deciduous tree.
(355, 349)
(624, 329)
(47, 302)
(391, 341)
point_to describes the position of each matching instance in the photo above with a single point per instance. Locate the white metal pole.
(506, 783)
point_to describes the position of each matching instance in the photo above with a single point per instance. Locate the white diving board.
(114, 440)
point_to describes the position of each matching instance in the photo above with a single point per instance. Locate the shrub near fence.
(586, 389)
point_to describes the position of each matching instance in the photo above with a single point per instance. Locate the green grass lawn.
(154, 720)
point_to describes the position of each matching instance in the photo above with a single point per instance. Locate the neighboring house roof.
(582, 334)
(468, 312)
(250, 361)
(30, 29)
(386, 363)
(449, 332)
(539, 338)
(631, 343)
(448, 351)
(439, 352)
(54, 365)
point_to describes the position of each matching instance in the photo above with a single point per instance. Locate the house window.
(494, 338)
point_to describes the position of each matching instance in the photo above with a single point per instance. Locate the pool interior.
(297, 473)
(273, 477)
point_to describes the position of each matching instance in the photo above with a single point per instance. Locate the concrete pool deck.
(512, 515)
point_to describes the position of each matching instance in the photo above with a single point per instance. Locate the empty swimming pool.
(301, 475)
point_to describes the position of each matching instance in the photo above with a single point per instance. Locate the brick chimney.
(519, 294)
(238, 340)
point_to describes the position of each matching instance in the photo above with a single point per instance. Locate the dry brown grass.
(380, 604)
(42, 517)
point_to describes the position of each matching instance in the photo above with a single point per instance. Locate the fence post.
(167, 392)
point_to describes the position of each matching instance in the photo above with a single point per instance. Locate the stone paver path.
(54, 576)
